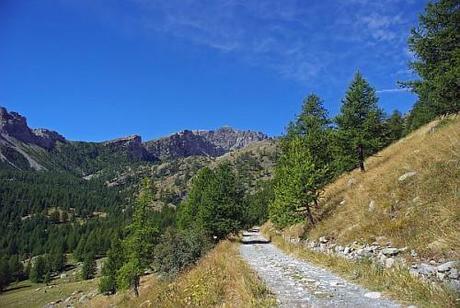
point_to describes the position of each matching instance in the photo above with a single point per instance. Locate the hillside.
(409, 195)
(395, 226)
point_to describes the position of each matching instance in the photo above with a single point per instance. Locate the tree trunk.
(309, 215)
(136, 286)
(361, 157)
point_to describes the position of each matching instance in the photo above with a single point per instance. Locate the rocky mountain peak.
(14, 125)
(231, 139)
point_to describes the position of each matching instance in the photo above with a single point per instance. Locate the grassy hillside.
(220, 279)
(421, 211)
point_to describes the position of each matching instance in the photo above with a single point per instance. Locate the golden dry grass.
(220, 279)
(396, 283)
(422, 212)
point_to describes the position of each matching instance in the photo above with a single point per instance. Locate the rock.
(75, 292)
(202, 142)
(390, 262)
(413, 253)
(432, 262)
(426, 269)
(440, 276)
(406, 176)
(390, 251)
(62, 276)
(453, 274)
(336, 283)
(446, 266)
(371, 206)
(83, 298)
(37, 289)
(323, 239)
(454, 285)
(342, 202)
(373, 295)
(346, 250)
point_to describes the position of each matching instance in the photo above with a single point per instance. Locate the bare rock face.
(132, 145)
(199, 142)
(14, 125)
(231, 139)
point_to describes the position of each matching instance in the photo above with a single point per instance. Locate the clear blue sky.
(96, 70)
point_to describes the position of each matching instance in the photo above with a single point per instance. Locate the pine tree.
(395, 126)
(114, 262)
(360, 130)
(5, 273)
(39, 269)
(436, 46)
(297, 181)
(89, 267)
(138, 245)
(214, 205)
(313, 126)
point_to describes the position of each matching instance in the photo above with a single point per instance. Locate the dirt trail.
(298, 283)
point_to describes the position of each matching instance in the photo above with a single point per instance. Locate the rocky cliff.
(212, 143)
(14, 125)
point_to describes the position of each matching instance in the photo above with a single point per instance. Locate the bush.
(177, 250)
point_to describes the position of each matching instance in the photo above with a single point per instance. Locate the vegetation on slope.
(221, 278)
(421, 212)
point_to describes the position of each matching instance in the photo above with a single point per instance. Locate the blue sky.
(100, 69)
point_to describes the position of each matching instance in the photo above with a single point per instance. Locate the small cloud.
(393, 90)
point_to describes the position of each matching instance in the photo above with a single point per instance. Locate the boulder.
(446, 266)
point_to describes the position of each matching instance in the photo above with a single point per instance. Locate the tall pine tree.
(436, 46)
(360, 129)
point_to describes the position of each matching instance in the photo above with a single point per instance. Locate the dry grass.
(220, 279)
(396, 283)
(422, 213)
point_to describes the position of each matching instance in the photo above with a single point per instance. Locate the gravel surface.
(298, 283)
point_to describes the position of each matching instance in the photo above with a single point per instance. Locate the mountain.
(40, 149)
(212, 143)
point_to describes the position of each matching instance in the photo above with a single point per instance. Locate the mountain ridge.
(19, 142)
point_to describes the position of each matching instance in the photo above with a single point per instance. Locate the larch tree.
(435, 43)
(360, 128)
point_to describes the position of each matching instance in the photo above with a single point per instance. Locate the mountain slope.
(409, 194)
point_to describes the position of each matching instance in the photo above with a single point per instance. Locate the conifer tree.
(360, 130)
(139, 244)
(39, 269)
(395, 126)
(313, 126)
(89, 267)
(297, 180)
(436, 46)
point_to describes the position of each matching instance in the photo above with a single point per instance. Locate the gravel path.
(298, 283)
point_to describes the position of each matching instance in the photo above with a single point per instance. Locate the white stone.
(373, 295)
(371, 205)
(407, 175)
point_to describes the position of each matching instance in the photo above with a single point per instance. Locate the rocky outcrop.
(183, 144)
(205, 143)
(229, 139)
(14, 125)
(132, 145)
